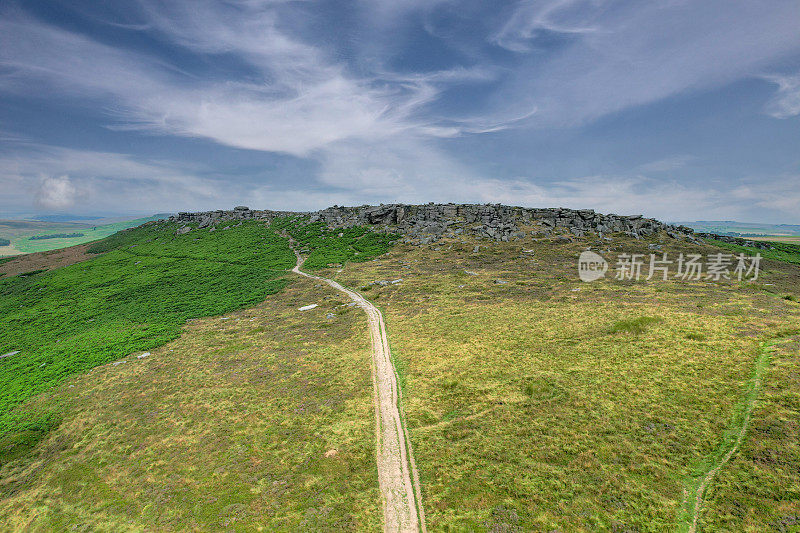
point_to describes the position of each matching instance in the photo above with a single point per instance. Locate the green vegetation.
(230, 428)
(56, 236)
(782, 251)
(134, 298)
(260, 420)
(334, 246)
(549, 404)
(542, 403)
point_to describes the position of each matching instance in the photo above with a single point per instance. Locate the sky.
(676, 109)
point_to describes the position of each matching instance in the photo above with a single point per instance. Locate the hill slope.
(534, 401)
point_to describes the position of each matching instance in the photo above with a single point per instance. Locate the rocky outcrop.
(429, 222)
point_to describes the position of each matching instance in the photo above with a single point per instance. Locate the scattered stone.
(332, 453)
(183, 230)
(396, 281)
(655, 246)
(330, 316)
(142, 356)
(308, 307)
(500, 282)
(9, 354)
(117, 363)
(470, 273)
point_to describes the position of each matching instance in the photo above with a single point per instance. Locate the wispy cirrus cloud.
(620, 55)
(786, 102)
(295, 100)
(533, 17)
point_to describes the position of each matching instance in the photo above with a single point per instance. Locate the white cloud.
(58, 178)
(786, 102)
(56, 192)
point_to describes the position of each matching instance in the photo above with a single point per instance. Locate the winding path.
(397, 473)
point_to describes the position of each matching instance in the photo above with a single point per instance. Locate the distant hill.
(65, 218)
(744, 229)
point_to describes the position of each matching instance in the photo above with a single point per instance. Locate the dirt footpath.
(397, 473)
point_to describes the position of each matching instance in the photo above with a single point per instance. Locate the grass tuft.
(634, 325)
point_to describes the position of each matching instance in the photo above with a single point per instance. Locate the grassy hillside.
(781, 251)
(537, 402)
(133, 298)
(534, 401)
(312, 465)
(324, 247)
(258, 420)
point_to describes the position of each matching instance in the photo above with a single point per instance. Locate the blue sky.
(677, 109)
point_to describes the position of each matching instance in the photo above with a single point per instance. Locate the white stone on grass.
(308, 307)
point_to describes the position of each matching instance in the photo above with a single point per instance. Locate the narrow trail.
(730, 445)
(397, 472)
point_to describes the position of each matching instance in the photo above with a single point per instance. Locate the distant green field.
(42, 242)
(744, 229)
